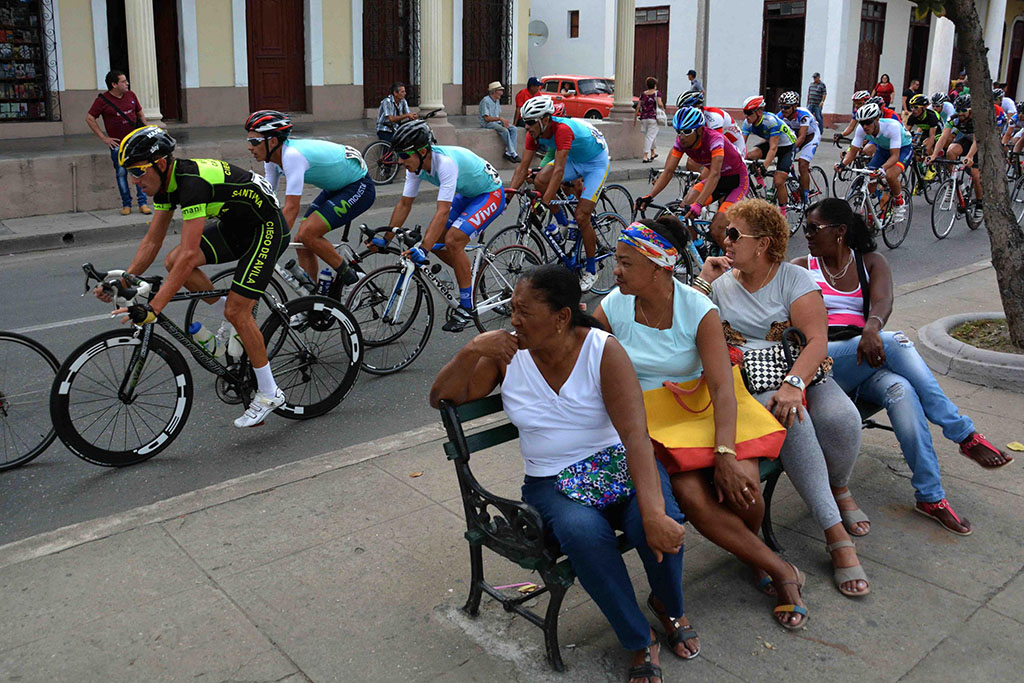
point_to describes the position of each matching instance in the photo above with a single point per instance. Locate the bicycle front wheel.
(381, 162)
(515, 234)
(395, 330)
(841, 184)
(818, 187)
(492, 291)
(895, 231)
(795, 216)
(27, 369)
(971, 204)
(1017, 201)
(615, 199)
(112, 407)
(944, 209)
(317, 353)
(608, 227)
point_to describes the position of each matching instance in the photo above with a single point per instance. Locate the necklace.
(838, 276)
(640, 306)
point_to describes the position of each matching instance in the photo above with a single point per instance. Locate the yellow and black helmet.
(918, 100)
(148, 143)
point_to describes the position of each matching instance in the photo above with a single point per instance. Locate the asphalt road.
(40, 292)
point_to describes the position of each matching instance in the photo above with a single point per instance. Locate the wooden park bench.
(516, 531)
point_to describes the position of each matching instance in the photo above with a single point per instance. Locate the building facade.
(210, 62)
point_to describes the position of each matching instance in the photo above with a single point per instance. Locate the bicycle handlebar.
(409, 236)
(110, 282)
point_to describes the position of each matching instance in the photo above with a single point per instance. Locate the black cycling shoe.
(460, 318)
(349, 276)
(342, 279)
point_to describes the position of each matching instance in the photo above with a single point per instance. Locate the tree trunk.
(1005, 236)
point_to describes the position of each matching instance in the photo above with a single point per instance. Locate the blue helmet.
(688, 118)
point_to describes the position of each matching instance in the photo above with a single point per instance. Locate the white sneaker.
(899, 214)
(261, 406)
(587, 280)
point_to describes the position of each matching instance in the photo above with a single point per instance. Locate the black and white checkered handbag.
(764, 369)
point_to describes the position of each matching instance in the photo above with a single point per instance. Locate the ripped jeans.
(907, 389)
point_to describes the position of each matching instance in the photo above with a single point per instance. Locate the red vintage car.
(587, 97)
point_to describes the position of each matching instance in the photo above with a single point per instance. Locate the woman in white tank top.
(571, 390)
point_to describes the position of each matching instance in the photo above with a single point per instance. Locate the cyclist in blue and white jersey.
(942, 106)
(779, 143)
(1009, 107)
(808, 136)
(893, 150)
(338, 170)
(580, 152)
(469, 198)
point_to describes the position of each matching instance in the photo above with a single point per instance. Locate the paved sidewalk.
(345, 567)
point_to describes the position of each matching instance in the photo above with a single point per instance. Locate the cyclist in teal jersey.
(338, 170)
(779, 146)
(469, 197)
(580, 152)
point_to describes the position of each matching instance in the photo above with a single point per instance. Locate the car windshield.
(594, 86)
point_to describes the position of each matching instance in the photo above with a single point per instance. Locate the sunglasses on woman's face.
(734, 235)
(812, 229)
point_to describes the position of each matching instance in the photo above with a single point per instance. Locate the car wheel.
(593, 114)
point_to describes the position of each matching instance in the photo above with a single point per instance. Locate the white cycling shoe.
(261, 406)
(899, 214)
(587, 280)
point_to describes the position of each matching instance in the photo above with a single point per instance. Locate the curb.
(953, 358)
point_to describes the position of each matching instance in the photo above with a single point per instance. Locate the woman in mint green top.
(672, 332)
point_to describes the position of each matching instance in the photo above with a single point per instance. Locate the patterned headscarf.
(651, 244)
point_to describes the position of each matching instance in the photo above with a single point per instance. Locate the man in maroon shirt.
(121, 114)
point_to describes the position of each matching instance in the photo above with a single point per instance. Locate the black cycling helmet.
(877, 99)
(269, 123)
(918, 100)
(412, 136)
(998, 94)
(939, 97)
(962, 102)
(148, 143)
(690, 98)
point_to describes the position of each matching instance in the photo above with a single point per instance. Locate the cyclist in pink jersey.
(716, 119)
(723, 174)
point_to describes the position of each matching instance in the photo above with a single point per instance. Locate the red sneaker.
(977, 448)
(943, 513)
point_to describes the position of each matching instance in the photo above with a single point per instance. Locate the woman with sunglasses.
(884, 367)
(759, 295)
(338, 170)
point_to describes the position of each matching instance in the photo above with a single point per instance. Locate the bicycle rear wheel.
(27, 369)
(894, 232)
(971, 203)
(944, 209)
(608, 227)
(615, 199)
(381, 162)
(392, 338)
(492, 291)
(1017, 201)
(95, 418)
(317, 353)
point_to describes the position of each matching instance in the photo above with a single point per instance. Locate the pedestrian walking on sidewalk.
(121, 113)
(695, 84)
(816, 93)
(647, 114)
(490, 117)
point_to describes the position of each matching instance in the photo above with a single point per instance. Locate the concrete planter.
(948, 356)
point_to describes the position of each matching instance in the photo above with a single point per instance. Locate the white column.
(625, 25)
(99, 42)
(240, 43)
(138, 17)
(940, 59)
(431, 62)
(994, 19)
(189, 44)
(357, 42)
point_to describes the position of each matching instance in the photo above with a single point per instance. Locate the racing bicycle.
(27, 369)
(954, 200)
(878, 215)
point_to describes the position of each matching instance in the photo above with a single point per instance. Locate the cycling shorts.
(807, 151)
(882, 155)
(783, 156)
(729, 190)
(340, 207)
(593, 173)
(256, 250)
(964, 141)
(473, 214)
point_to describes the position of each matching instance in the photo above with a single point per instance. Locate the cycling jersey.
(1000, 116)
(961, 126)
(712, 144)
(948, 110)
(925, 122)
(771, 126)
(801, 117)
(250, 228)
(324, 164)
(1009, 106)
(583, 140)
(454, 170)
(722, 121)
(891, 135)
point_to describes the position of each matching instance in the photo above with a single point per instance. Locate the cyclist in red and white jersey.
(716, 119)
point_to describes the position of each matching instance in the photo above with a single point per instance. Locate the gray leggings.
(820, 451)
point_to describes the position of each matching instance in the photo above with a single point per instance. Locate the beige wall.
(216, 56)
(519, 72)
(79, 67)
(446, 39)
(337, 27)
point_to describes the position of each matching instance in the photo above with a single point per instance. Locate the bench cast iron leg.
(476, 561)
(557, 592)
(766, 523)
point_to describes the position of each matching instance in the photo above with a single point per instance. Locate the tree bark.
(1005, 236)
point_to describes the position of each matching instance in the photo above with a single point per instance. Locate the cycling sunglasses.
(688, 131)
(530, 122)
(734, 235)
(812, 229)
(255, 141)
(748, 112)
(407, 154)
(138, 171)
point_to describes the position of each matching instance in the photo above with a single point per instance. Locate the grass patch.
(991, 335)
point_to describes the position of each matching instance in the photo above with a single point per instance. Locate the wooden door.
(1016, 50)
(650, 50)
(872, 31)
(482, 60)
(388, 39)
(277, 47)
(168, 61)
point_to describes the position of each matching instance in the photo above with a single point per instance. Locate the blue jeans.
(122, 183)
(587, 537)
(816, 113)
(907, 389)
(509, 135)
(385, 135)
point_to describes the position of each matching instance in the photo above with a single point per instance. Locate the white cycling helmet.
(536, 107)
(869, 112)
(861, 95)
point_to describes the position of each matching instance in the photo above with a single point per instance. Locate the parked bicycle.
(125, 394)
(381, 161)
(27, 369)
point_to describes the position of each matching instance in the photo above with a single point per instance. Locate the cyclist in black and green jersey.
(923, 122)
(248, 227)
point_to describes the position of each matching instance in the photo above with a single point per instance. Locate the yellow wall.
(447, 37)
(79, 65)
(216, 58)
(337, 41)
(519, 69)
